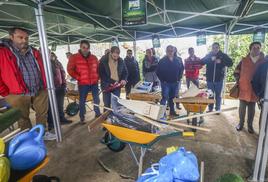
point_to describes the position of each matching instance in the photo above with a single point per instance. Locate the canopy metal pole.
(262, 149)
(68, 45)
(47, 65)
(226, 46)
(135, 46)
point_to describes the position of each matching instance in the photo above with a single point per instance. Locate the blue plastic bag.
(152, 175)
(179, 166)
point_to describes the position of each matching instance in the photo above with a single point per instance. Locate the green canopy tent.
(69, 21)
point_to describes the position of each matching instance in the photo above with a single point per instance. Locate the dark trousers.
(169, 92)
(60, 94)
(107, 97)
(83, 92)
(128, 87)
(194, 81)
(216, 88)
(242, 112)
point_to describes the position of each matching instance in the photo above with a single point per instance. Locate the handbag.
(234, 92)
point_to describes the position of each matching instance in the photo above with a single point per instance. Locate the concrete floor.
(224, 150)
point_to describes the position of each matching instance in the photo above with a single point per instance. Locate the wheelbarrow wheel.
(72, 109)
(113, 143)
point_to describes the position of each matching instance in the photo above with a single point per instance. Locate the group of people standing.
(23, 82)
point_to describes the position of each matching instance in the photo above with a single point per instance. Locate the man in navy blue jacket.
(259, 79)
(169, 71)
(216, 62)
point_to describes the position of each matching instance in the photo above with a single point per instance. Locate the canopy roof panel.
(69, 21)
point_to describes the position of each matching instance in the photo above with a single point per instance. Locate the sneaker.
(50, 136)
(239, 127)
(66, 121)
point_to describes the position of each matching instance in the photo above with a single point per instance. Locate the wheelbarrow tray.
(130, 135)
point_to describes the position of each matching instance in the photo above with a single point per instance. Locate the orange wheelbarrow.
(117, 137)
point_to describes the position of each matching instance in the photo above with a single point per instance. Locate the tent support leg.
(135, 46)
(226, 45)
(47, 65)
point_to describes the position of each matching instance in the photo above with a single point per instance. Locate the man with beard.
(22, 79)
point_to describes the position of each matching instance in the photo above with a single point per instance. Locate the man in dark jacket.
(113, 74)
(169, 71)
(259, 83)
(216, 62)
(133, 71)
(259, 79)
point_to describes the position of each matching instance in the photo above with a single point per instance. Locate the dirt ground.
(224, 150)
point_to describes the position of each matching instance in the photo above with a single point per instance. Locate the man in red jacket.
(22, 78)
(83, 66)
(192, 67)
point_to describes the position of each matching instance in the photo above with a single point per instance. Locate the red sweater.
(84, 70)
(192, 67)
(11, 78)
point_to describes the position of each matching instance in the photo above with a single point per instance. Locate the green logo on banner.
(156, 41)
(259, 35)
(201, 39)
(134, 12)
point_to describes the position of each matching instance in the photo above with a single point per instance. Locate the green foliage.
(238, 48)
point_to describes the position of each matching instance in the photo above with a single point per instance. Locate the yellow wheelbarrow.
(117, 137)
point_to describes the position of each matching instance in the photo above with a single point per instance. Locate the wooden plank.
(5, 138)
(204, 114)
(189, 126)
(194, 100)
(154, 97)
(202, 171)
(157, 124)
(98, 120)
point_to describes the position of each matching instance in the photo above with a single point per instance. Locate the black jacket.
(169, 71)
(153, 66)
(259, 79)
(219, 67)
(133, 70)
(105, 74)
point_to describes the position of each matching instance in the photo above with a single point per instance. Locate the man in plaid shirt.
(22, 79)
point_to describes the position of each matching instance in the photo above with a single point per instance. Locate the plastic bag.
(179, 166)
(152, 175)
(183, 164)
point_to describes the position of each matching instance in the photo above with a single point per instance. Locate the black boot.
(239, 127)
(251, 130)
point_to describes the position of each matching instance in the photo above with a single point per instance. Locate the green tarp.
(100, 20)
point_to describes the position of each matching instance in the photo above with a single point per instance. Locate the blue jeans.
(194, 81)
(169, 92)
(216, 88)
(107, 97)
(83, 92)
